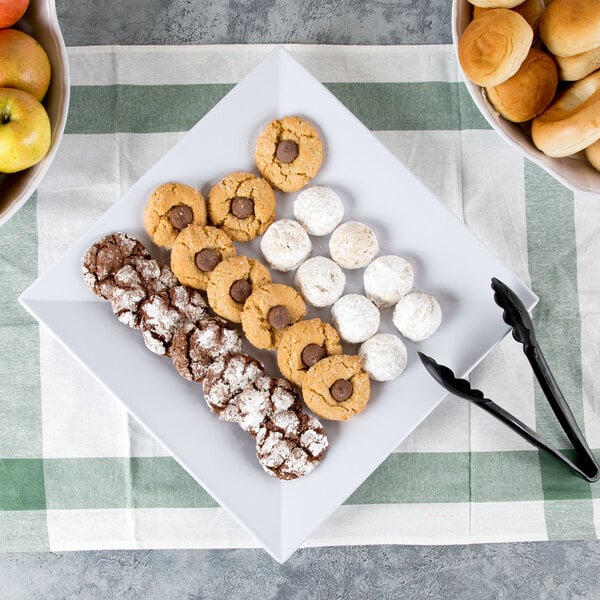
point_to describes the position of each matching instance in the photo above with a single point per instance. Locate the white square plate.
(377, 189)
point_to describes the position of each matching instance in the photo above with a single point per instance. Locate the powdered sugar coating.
(353, 245)
(417, 316)
(355, 317)
(197, 345)
(387, 279)
(318, 209)
(383, 356)
(105, 257)
(266, 397)
(290, 444)
(285, 244)
(162, 314)
(320, 281)
(225, 379)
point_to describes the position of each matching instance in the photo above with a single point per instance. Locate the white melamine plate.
(377, 189)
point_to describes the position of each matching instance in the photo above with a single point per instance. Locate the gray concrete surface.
(552, 571)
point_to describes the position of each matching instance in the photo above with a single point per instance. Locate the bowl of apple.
(34, 97)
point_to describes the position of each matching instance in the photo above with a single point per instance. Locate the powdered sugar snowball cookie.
(318, 209)
(197, 345)
(383, 356)
(387, 279)
(417, 316)
(225, 379)
(353, 245)
(290, 444)
(355, 317)
(260, 401)
(285, 245)
(320, 281)
(105, 257)
(162, 314)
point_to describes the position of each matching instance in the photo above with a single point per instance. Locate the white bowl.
(572, 171)
(40, 21)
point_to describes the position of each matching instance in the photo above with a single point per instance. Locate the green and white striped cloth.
(77, 473)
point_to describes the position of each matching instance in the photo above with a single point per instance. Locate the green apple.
(24, 130)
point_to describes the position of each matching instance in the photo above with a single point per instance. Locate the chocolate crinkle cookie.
(260, 401)
(197, 345)
(162, 314)
(133, 283)
(105, 257)
(225, 379)
(290, 444)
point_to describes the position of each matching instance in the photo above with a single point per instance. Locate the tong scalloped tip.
(516, 315)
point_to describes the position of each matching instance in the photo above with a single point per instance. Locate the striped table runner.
(77, 473)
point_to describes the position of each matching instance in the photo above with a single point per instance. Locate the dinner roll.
(530, 10)
(593, 154)
(570, 27)
(493, 46)
(572, 68)
(496, 3)
(572, 122)
(529, 91)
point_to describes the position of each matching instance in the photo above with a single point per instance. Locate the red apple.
(24, 130)
(11, 11)
(23, 63)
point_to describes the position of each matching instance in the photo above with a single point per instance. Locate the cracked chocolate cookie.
(303, 344)
(257, 403)
(162, 314)
(197, 345)
(225, 379)
(242, 205)
(268, 311)
(135, 282)
(290, 444)
(170, 209)
(105, 257)
(336, 388)
(289, 153)
(197, 251)
(231, 283)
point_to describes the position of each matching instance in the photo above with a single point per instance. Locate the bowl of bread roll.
(533, 69)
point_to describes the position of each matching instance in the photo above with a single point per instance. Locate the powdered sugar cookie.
(285, 245)
(318, 209)
(383, 356)
(387, 279)
(417, 316)
(353, 245)
(320, 281)
(355, 317)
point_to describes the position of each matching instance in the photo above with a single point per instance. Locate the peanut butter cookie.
(303, 344)
(336, 387)
(289, 153)
(242, 205)
(170, 209)
(231, 283)
(197, 251)
(268, 312)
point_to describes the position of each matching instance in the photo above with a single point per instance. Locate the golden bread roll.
(593, 154)
(493, 46)
(572, 68)
(570, 27)
(529, 91)
(572, 122)
(530, 10)
(495, 3)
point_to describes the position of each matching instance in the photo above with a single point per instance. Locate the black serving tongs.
(515, 314)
